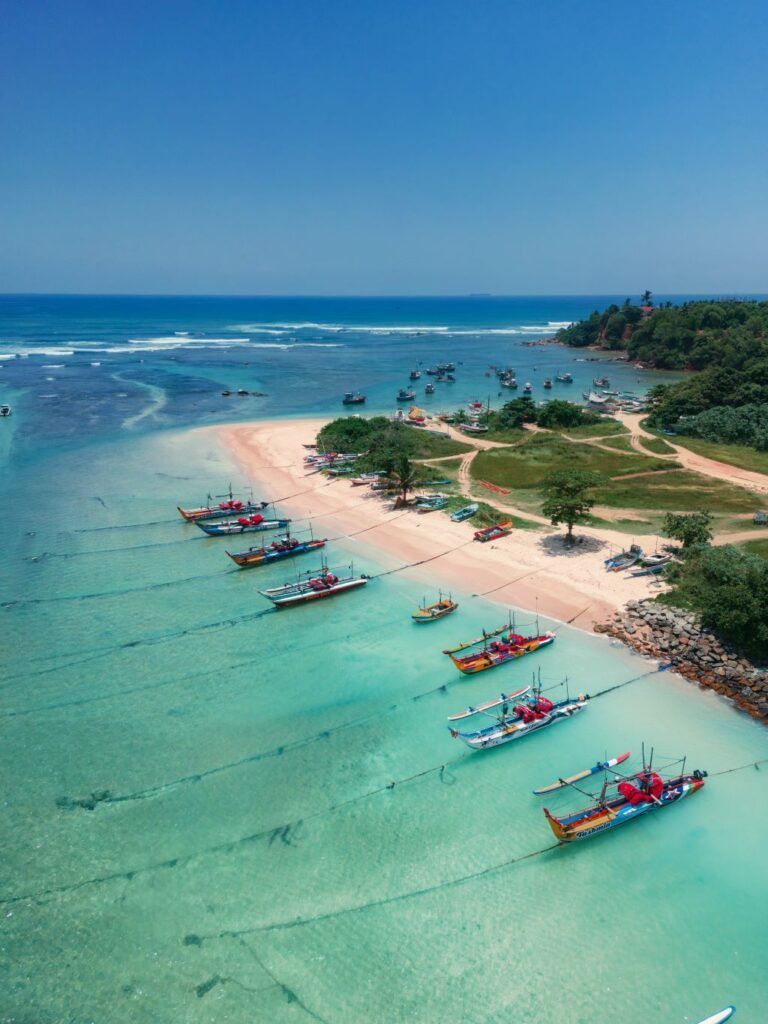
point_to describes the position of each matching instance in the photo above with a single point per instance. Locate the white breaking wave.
(22, 353)
(335, 328)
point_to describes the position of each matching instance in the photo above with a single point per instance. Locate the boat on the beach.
(473, 428)
(353, 398)
(625, 559)
(286, 547)
(430, 503)
(229, 507)
(243, 524)
(430, 612)
(514, 721)
(314, 586)
(496, 648)
(464, 513)
(595, 400)
(494, 532)
(636, 794)
(406, 395)
(365, 479)
(651, 565)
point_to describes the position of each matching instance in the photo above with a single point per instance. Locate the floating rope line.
(283, 833)
(45, 555)
(22, 601)
(125, 526)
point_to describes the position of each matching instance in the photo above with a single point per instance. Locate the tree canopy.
(689, 528)
(567, 497)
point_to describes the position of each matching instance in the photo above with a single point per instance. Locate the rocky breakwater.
(677, 636)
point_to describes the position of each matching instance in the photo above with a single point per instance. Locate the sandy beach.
(528, 569)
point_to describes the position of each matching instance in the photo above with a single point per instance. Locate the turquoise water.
(247, 860)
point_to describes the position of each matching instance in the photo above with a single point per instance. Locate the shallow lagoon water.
(247, 859)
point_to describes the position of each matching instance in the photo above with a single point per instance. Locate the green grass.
(733, 454)
(527, 466)
(430, 446)
(600, 429)
(619, 444)
(510, 436)
(678, 491)
(657, 445)
(756, 547)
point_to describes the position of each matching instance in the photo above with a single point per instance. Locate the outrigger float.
(498, 646)
(513, 721)
(313, 586)
(232, 506)
(637, 794)
(255, 523)
(285, 547)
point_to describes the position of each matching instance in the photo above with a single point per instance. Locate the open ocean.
(197, 823)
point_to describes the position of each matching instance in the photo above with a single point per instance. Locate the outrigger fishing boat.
(243, 524)
(229, 507)
(429, 612)
(643, 791)
(365, 479)
(286, 547)
(497, 647)
(494, 532)
(513, 721)
(617, 563)
(464, 513)
(431, 503)
(313, 586)
(721, 1017)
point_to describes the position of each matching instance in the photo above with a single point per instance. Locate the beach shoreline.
(528, 569)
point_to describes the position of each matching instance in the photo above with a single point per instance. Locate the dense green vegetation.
(727, 340)
(728, 587)
(381, 437)
(744, 425)
(554, 415)
(691, 529)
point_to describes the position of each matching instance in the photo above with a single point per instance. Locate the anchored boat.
(314, 586)
(513, 721)
(243, 524)
(229, 507)
(353, 398)
(286, 547)
(429, 612)
(496, 648)
(636, 794)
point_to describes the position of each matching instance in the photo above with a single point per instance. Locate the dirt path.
(749, 479)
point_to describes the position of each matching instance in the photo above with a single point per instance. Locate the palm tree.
(647, 299)
(403, 477)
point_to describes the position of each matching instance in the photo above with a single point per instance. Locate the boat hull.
(305, 595)
(591, 822)
(264, 556)
(434, 613)
(192, 515)
(497, 736)
(234, 528)
(473, 663)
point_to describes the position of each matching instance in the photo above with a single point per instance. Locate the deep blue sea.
(197, 819)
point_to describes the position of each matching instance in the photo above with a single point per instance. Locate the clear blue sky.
(383, 146)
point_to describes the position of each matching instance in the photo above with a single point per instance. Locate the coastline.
(523, 569)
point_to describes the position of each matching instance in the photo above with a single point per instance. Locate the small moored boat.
(496, 647)
(5, 410)
(313, 586)
(429, 612)
(636, 794)
(406, 395)
(564, 378)
(243, 524)
(229, 507)
(286, 547)
(353, 398)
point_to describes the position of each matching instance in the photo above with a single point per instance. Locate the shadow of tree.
(555, 544)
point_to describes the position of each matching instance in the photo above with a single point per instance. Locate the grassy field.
(678, 491)
(619, 444)
(510, 436)
(525, 467)
(657, 445)
(432, 446)
(734, 454)
(601, 429)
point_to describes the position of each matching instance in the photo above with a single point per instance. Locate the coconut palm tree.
(403, 478)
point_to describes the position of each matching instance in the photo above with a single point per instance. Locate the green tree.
(559, 413)
(729, 590)
(647, 298)
(567, 497)
(403, 477)
(689, 528)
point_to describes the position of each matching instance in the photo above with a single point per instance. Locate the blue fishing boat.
(243, 524)
(464, 513)
(286, 547)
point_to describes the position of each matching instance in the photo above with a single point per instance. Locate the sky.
(383, 146)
